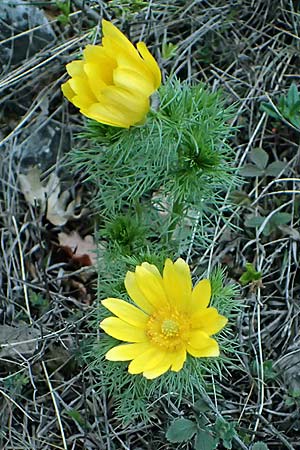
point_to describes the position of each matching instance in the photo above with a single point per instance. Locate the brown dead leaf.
(59, 210)
(81, 251)
(161, 203)
(84, 296)
(33, 190)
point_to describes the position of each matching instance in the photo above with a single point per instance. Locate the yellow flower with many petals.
(170, 319)
(113, 82)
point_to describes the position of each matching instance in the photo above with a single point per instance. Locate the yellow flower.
(113, 82)
(170, 320)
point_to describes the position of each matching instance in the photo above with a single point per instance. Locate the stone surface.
(43, 144)
(18, 340)
(17, 17)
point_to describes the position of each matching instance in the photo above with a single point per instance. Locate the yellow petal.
(126, 312)
(153, 269)
(81, 101)
(212, 351)
(81, 87)
(133, 80)
(178, 360)
(113, 34)
(101, 64)
(200, 296)
(129, 103)
(67, 91)
(158, 370)
(177, 283)
(102, 118)
(208, 320)
(108, 114)
(151, 287)
(119, 107)
(136, 294)
(121, 330)
(75, 69)
(127, 57)
(136, 64)
(150, 62)
(95, 79)
(95, 56)
(147, 360)
(201, 345)
(126, 352)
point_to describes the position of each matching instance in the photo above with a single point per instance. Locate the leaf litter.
(53, 202)
(82, 251)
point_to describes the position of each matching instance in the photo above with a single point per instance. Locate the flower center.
(169, 327)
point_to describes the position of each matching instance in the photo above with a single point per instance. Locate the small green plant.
(259, 446)
(125, 234)
(250, 275)
(288, 108)
(271, 224)
(76, 416)
(15, 383)
(65, 8)
(169, 50)
(292, 398)
(127, 8)
(181, 430)
(270, 372)
(38, 301)
(259, 165)
(206, 435)
(225, 432)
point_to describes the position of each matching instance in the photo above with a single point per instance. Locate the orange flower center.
(168, 329)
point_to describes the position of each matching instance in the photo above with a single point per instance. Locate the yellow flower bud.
(113, 82)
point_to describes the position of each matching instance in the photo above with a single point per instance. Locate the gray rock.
(43, 144)
(18, 340)
(15, 18)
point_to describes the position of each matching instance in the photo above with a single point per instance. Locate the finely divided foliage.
(181, 152)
